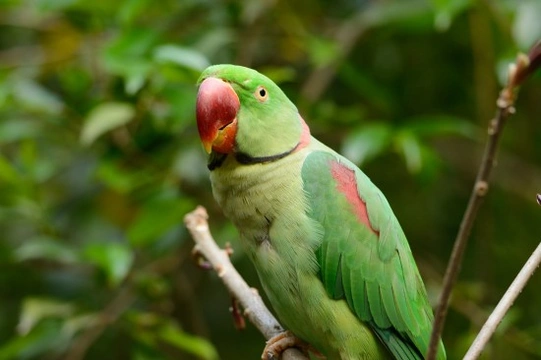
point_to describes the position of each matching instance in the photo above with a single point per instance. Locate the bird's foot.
(283, 341)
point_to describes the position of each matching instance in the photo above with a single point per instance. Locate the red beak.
(216, 111)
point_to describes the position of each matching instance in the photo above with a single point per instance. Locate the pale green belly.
(266, 204)
(303, 306)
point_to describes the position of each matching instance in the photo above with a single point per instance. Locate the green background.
(100, 159)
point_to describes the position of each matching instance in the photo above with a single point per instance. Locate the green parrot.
(331, 255)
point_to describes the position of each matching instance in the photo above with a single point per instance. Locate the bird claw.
(283, 341)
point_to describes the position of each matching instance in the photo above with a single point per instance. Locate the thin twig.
(503, 306)
(254, 308)
(107, 316)
(518, 72)
(118, 305)
(478, 193)
(346, 36)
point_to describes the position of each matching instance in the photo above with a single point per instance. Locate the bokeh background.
(100, 159)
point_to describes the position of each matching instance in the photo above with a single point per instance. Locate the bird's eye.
(261, 94)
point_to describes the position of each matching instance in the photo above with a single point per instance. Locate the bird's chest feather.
(267, 204)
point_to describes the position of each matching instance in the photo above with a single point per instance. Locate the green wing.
(364, 257)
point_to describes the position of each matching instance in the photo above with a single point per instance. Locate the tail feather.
(400, 347)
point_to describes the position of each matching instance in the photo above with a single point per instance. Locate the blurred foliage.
(100, 159)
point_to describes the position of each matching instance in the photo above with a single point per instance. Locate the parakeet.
(330, 254)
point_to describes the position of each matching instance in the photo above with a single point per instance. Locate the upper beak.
(216, 112)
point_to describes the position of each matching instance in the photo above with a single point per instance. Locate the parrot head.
(242, 112)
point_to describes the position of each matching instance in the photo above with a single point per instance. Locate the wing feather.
(364, 257)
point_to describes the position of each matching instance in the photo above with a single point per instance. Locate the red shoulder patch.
(347, 185)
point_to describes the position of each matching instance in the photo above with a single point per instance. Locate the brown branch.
(476, 314)
(346, 36)
(106, 317)
(503, 306)
(118, 305)
(254, 308)
(518, 72)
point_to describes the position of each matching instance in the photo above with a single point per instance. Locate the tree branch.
(347, 34)
(518, 72)
(254, 308)
(503, 306)
(107, 316)
(117, 306)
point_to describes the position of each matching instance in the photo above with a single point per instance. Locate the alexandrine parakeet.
(331, 255)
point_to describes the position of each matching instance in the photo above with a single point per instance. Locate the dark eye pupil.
(262, 92)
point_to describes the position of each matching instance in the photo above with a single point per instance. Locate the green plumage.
(374, 271)
(327, 247)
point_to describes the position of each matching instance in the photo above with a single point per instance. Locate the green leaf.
(446, 10)
(36, 167)
(132, 44)
(369, 89)
(279, 74)
(8, 173)
(381, 13)
(114, 259)
(438, 125)
(182, 56)
(526, 26)
(367, 143)
(130, 10)
(54, 5)
(34, 96)
(104, 118)
(44, 337)
(322, 51)
(197, 346)
(120, 179)
(18, 129)
(216, 39)
(179, 115)
(36, 309)
(409, 146)
(157, 217)
(151, 329)
(129, 56)
(46, 248)
(74, 324)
